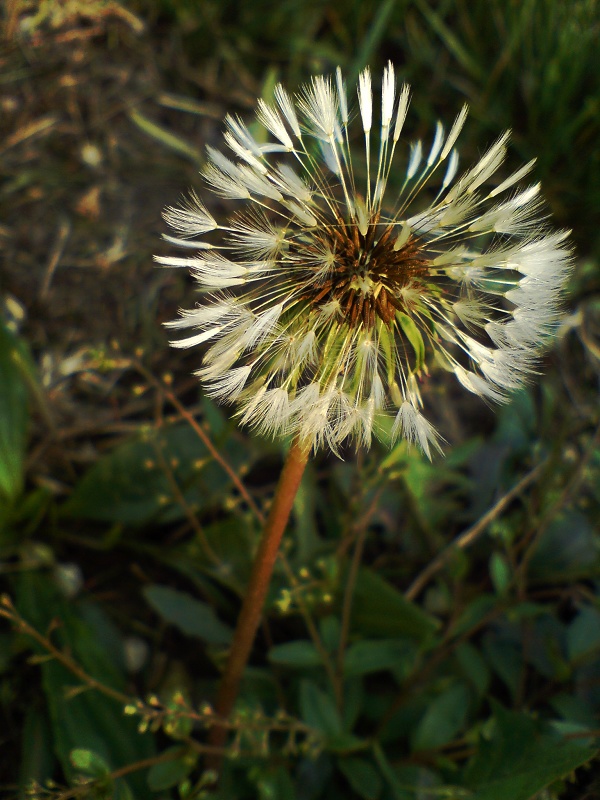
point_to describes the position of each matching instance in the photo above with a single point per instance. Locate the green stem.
(258, 585)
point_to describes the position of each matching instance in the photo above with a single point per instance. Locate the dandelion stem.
(260, 578)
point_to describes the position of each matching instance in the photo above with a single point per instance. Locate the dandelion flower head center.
(326, 296)
(366, 271)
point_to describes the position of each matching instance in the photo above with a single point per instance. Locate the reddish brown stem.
(260, 578)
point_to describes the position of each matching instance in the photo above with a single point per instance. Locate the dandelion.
(326, 296)
(345, 271)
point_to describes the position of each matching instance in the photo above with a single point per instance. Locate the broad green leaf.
(231, 541)
(388, 773)
(545, 646)
(89, 719)
(213, 414)
(444, 718)
(504, 656)
(567, 550)
(37, 759)
(375, 655)
(575, 710)
(89, 763)
(275, 784)
(354, 700)
(362, 776)
(295, 654)
(473, 614)
(319, 710)
(329, 628)
(136, 482)
(165, 774)
(439, 480)
(394, 462)
(121, 790)
(521, 758)
(306, 528)
(517, 422)
(191, 616)
(473, 667)
(583, 634)
(408, 781)
(14, 365)
(500, 572)
(378, 609)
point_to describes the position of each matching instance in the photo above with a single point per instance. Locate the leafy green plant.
(431, 630)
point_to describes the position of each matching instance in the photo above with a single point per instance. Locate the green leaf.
(441, 480)
(81, 720)
(500, 572)
(354, 700)
(567, 550)
(89, 763)
(451, 41)
(306, 528)
(444, 718)
(517, 422)
(296, 654)
(135, 482)
(362, 776)
(574, 710)
(583, 634)
(368, 656)
(167, 138)
(121, 790)
(231, 541)
(191, 616)
(370, 40)
(378, 609)
(473, 667)
(165, 774)
(388, 773)
(275, 784)
(408, 781)
(521, 758)
(473, 614)
(319, 710)
(329, 628)
(14, 362)
(426, 784)
(37, 759)
(505, 658)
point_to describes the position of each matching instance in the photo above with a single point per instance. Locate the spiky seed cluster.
(324, 298)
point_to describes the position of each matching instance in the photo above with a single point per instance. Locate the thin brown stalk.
(471, 534)
(9, 612)
(179, 498)
(215, 454)
(313, 631)
(174, 400)
(258, 585)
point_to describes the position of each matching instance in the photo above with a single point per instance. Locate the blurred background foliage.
(433, 630)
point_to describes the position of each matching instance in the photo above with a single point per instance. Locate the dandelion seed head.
(327, 295)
